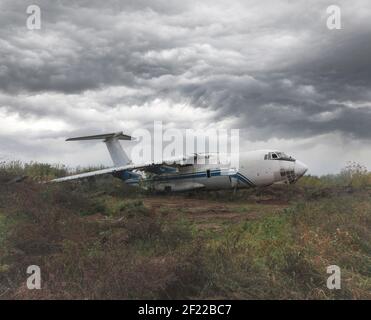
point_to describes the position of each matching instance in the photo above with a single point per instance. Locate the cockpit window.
(278, 156)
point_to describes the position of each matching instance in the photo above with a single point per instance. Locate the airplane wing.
(157, 168)
(92, 173)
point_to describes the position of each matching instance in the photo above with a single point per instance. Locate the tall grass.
(34, 170)
(352, 175)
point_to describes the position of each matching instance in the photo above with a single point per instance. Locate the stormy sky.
(270, 68)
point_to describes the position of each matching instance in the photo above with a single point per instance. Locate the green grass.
(286, 255)
(2, 229)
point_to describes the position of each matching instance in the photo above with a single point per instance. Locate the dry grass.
(93, 242)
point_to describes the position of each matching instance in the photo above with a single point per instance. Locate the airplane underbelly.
(218, 182)
(177, 186)
(206, 179)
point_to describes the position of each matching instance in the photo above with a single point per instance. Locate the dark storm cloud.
(272, 64)
(82, 44)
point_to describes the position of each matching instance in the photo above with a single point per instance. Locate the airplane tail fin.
(118, 155)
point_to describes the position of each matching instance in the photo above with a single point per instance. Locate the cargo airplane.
(197, 171)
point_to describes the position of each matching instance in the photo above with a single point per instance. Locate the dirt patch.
(211, 214)
(274, 202)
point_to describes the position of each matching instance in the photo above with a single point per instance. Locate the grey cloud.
(273, 65)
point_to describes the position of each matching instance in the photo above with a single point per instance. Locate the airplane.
(257, 168)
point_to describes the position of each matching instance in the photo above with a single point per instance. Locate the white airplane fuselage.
(197, 171)
(256, 169)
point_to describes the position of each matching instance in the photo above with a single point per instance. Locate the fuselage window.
(208, 173)
(274, 156)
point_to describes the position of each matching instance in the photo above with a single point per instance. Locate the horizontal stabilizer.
(106, 136)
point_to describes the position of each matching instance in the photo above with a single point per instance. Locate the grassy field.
(101, 240)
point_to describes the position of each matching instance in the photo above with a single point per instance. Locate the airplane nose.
(300, 168)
